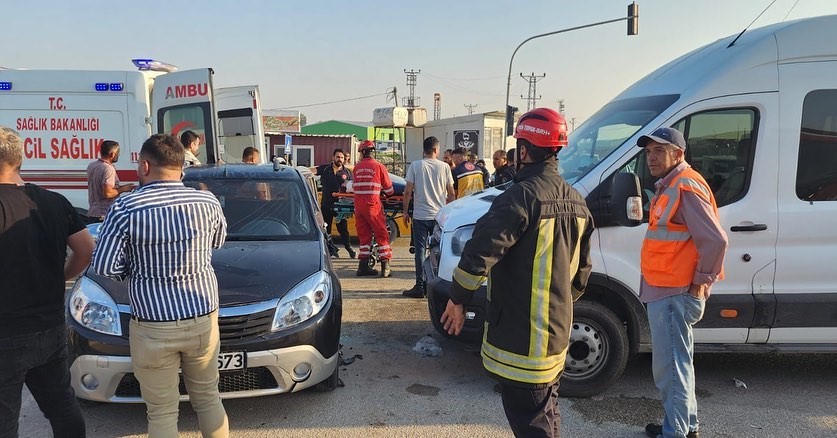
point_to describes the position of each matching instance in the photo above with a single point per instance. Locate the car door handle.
(749, 227)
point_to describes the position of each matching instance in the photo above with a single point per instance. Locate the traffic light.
(510, 110)
(633, 19)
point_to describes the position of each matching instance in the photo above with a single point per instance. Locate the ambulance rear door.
(183, 100)
(240, 121)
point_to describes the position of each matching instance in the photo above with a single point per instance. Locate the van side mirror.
(626, 199)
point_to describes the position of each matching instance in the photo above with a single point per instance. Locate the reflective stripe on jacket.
(533, 246)
(669, 255)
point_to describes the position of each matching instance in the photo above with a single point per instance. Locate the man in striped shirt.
(160, 238)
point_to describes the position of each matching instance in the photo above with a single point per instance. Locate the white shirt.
(430, 178)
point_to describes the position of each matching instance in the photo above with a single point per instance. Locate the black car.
(280, 299)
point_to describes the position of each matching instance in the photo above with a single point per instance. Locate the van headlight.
(304, 301)
(94, 308)
(460, 237)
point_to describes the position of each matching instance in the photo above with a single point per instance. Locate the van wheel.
(331, 383)
(598, 350)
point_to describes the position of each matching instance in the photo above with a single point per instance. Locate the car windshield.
(262, 209)
(606, 130)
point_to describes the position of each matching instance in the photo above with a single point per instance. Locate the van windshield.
(606, 130)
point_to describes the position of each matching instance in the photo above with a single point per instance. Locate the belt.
(140, 319)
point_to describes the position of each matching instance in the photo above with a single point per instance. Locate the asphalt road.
(391, 391)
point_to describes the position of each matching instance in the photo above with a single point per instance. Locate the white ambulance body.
(64, 116)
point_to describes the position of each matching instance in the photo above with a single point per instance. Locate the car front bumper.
(111, 379)
(438, 294)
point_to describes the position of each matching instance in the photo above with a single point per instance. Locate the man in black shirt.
(36, 226)
(334, 177)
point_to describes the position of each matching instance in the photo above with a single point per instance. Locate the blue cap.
(664, 136)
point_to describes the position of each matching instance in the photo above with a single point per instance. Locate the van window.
(720, 147)
(816, 174)
(606, 130)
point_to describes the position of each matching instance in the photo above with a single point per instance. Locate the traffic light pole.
(634, 14)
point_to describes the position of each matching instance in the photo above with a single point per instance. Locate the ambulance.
(64, 116)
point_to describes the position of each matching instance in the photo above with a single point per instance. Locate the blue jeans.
(38, 360)
(671, 320)
(421, 241)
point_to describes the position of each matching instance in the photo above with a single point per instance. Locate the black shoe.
(385, 271)
(363, 269)
(352, 253)
(417, 291)
(654, 430)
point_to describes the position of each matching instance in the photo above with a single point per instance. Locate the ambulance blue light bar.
(104, 86)
(152, 65)
(5, 86)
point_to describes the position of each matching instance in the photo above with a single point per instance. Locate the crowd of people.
(533, 248)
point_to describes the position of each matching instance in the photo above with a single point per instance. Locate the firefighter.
(371, 178)
(534, 243)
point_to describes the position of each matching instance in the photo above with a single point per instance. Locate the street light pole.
(633, 15)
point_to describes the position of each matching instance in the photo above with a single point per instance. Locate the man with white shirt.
(430, 186)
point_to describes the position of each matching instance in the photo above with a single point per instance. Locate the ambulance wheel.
(598, 350)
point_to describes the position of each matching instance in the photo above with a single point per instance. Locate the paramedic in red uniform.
(371, 177)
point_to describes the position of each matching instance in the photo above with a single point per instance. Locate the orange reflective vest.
(669, 255)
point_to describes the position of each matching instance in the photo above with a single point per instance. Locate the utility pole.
(470, 108)
(561, 106)
(411, 101)
(532, 80)
(572, 123)
(437, 106)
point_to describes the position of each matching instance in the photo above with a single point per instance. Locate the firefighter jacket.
(533, 246)
(669, 254)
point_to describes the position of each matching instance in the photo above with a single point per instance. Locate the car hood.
(466, 211)
(249, 271)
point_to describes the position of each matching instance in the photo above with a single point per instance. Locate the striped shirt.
(161, 237)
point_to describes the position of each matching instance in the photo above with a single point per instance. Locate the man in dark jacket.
(534, 242)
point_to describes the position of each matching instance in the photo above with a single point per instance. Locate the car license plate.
(234, 360)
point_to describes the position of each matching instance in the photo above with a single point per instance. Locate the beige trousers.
(158, 351)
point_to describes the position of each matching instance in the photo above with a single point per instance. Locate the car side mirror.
(626, 199)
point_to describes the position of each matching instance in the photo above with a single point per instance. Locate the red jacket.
(371, 178)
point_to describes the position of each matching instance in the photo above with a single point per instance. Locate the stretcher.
(344, 206)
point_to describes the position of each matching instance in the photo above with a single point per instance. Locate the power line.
(333, 101)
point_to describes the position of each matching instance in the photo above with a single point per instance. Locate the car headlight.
(304, 301)
(459, 238)
(93, 308)
(436, 237)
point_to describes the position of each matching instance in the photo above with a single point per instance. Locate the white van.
(64, 116)
(760, 118)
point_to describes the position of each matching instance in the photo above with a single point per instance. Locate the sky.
(305, 53)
